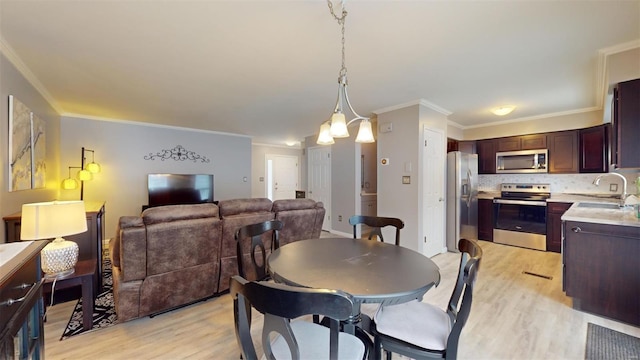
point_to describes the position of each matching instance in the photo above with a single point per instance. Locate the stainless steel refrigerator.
(462, 198)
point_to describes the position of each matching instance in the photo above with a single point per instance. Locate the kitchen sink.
(599, 205)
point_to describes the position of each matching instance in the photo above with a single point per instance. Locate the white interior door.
(433, 170)
(282, 176)
(319, 180)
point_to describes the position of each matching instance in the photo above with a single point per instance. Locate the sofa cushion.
(295, 204)
(167, 213)
(244, 206)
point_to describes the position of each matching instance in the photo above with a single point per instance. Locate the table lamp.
(53, 220)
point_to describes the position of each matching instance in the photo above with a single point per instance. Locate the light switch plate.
(406, 179)
(613, 187)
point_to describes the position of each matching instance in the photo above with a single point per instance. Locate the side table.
(84, 274)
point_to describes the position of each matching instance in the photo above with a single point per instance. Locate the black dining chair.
(250, 239)
(376, 223)
(423, 331)
(297, 339)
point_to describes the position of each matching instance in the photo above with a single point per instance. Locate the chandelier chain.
(341, 20)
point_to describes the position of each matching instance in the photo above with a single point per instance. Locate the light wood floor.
(514, 316)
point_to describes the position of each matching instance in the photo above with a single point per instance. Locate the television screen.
(175, 189)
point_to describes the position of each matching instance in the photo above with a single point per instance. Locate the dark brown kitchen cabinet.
(485, 219)
(625, 150)
(486, 156)
(594, 149)
(509, 143)
(563, 151)
(468, 147)
(555, 210)
(600, 269)
(524, 142)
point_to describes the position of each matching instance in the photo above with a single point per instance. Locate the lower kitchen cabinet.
(601, 271)
(554, 225)
(485, 219)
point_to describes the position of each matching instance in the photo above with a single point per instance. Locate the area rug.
(104, 314)
(604, 343)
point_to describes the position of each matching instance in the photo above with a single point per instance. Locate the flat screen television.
(176, 189)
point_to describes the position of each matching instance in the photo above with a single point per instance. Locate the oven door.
(520, 223)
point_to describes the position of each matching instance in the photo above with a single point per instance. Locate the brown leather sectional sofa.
(175, 255)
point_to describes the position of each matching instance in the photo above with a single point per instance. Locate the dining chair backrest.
(376, 224)
(420, 330)
(250, 239)
(279, 303)
(458, 311)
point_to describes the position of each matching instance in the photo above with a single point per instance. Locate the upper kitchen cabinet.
(525, 142)
(625, 152)
(594, 149)
(486, 156)
(464, 146)
(563, 151)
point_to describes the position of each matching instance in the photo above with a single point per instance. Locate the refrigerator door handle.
(469, 176)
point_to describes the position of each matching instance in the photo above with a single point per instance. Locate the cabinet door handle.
(10, 302)
(576, 229)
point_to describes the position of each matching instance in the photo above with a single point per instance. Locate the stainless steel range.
(520, 215)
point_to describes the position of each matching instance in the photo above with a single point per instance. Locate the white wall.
(259, 153)
(120, 148)
(12, 82)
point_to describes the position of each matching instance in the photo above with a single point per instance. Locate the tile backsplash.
(562, 183)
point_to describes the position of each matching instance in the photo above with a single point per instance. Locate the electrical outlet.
(340, 218)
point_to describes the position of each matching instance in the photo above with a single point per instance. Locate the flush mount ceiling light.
(503, 110)
(336, 127)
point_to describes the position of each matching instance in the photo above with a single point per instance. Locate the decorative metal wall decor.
(27, 167)
(178, 153)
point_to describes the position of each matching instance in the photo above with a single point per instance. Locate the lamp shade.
(92, 167)
(365, 134)
(84, 175)
(325, 138)
(53, 220)
(69, 184)
(48, 220)
(339, 126)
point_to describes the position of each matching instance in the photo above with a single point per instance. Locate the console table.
(89, 242)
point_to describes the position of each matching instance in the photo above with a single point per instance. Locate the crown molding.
(536, 117)
(422, 102)
(23, 69)
(140, 123)
(602, 80)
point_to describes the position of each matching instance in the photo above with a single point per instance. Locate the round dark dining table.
(371, 271)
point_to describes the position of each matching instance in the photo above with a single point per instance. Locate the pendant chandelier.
(336, 127)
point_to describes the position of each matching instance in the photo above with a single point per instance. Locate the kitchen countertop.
(623, 217)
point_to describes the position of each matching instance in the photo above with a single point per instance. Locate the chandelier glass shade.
(338, 126)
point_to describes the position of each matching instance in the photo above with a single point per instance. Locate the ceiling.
(269, 69)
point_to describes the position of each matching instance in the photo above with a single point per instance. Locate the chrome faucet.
(623, 195)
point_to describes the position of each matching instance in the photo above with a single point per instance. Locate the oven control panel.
(526, 188)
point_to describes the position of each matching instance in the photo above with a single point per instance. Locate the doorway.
(283, 176)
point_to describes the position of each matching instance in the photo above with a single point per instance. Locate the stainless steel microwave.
(522, 161)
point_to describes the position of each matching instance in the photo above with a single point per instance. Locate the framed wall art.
(19, 145)
(27, 148)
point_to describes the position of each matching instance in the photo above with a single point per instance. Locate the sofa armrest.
(129, 248)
